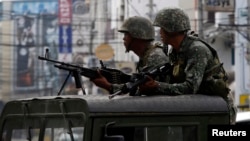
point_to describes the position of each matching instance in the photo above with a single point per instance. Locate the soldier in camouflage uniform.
(196, 66)
(138, 36)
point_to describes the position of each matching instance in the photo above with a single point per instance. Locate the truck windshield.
(50, 134)
(39, 128)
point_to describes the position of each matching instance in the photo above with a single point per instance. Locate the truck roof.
(101, 104)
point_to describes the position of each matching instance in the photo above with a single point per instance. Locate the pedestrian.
(196, 65)
(138, 37)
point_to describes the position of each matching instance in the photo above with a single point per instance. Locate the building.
(90, 27)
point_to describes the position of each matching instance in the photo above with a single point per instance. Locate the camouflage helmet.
(138, 27)
(172, 20)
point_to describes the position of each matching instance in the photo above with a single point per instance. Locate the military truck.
(122, 118)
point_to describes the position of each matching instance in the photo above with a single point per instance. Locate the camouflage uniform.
(195, 65)
(142, 28)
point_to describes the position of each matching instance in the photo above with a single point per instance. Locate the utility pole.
(248, 20)
(122, 14)
(151, 6)
(248, 32)
(200, 19)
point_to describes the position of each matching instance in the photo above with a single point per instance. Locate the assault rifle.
(112, 75)
(140, 78)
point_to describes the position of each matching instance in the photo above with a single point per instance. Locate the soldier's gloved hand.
(148, 87)
(101, 81)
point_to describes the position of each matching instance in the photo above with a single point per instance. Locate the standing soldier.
(138, 36)
(196, 66)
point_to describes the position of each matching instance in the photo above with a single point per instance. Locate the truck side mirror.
(112, 137)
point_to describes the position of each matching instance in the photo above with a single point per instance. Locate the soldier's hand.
(101, 81)
(149, 86)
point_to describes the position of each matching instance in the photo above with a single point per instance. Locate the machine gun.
(140, 78)
(112, 75)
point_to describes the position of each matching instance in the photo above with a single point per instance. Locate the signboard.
(65, 30)
(104, 52)
(244, 102)
(220, 5)
(39, 7)
(65, 39)
(65, 42)
(65, 11)
(27, 29)
(245, 99)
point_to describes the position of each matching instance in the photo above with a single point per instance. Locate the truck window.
(156, 133)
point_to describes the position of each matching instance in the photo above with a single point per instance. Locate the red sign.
(65, 11)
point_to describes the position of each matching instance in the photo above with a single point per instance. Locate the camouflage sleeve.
(157, 57)
(197, 59)
(116, 87)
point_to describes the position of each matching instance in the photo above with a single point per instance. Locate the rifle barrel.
(58, 62)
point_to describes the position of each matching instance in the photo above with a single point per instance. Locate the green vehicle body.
(123, 118)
